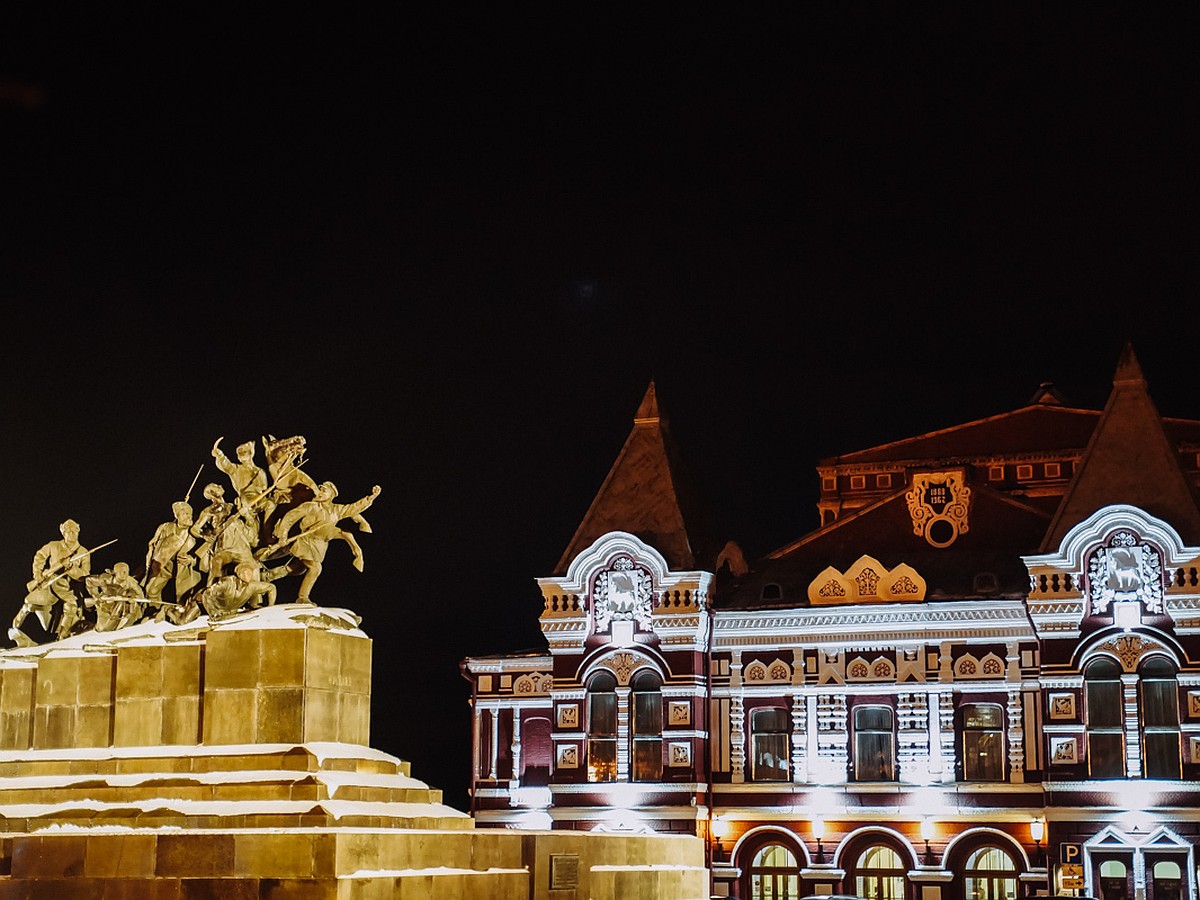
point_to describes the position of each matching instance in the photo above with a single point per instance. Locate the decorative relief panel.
(968, 666)
(1125, 570)
(1129, 649)
(867, 581)
(1193, 704)
(758, 672)
(939, 504)
(679, 753)
(568, 715)
(1064, 751)
(622, 592)
(1062, 706)
(879, 669)
(535, 683)
(679, 713)
(623, 663)
(567, 756)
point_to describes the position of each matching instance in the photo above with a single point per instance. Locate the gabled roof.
(1001, 529)
(648, 493)
(1129, 459)
(1037, 428)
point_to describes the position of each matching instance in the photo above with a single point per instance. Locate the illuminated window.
(1024, 473)
(769, 744)
(990, 875)
(879, 874)
(774, 874)
(1160, 719)
(858, 482)
(647, 727)
(1105, 735)
(602, 728)
(874, 744)
(1053, 470)
(995, 473)
(982, 734)
(829, 483)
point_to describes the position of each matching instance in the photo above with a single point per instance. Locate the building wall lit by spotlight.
(978, 678)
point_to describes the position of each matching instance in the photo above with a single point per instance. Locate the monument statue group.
(216, 562)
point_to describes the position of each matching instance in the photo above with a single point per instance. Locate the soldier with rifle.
(55, 566)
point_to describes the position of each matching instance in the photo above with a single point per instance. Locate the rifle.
(48, 578)
(188, 496)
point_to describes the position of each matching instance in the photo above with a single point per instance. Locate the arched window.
(1114, 880)
(647, 727)
(1166, 880)
(982, 742)
(769, 740)
(874, 744)
(879, 874)
(1160, 719)
(990, 875)
(1105, 736)
(774, 874)
(535, 751)
(602, 727)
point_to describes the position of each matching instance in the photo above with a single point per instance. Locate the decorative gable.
(867, 581)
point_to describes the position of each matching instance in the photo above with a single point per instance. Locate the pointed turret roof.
(647, 493)
(1129, 459)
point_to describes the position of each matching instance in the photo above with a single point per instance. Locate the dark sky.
(452, 251)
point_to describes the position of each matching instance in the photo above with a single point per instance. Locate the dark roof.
(1001, 528)
(1129, 459)
(648, 493)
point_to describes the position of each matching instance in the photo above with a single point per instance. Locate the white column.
(516, 749)
(623, 733)
(1133, 729)
(495, 744)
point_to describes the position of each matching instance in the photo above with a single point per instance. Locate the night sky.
(452, 250)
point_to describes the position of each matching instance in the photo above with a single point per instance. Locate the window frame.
(965, 731)
(600, 767)
(860, 751)
(771, 736)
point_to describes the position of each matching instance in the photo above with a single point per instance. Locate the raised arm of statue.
(349, 510)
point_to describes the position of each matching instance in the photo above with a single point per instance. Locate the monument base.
(230, 760)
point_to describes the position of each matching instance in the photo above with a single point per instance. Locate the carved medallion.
(938, 503)
(622, 592)
(1126, 570)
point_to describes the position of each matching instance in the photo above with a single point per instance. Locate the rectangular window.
(983, 742)
(602, 737)
(874, 744)
(829, 483)
(996, 473)
(1053, 470)
(858, 482)
(1024, 473)
(770, 745)
(1105, 734)
(884, 480)
(1160, 724)
(647, 736)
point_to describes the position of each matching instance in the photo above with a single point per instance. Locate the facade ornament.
(1129, 649)
(622, 592)
(939, 503)
(1123, 571)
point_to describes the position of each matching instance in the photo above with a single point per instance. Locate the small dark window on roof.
(986, 583)
(771, 591)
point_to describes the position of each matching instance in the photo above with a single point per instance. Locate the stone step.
(242, 785)
(201, 758)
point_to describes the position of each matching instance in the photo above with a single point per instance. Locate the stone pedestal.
(230, 760)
